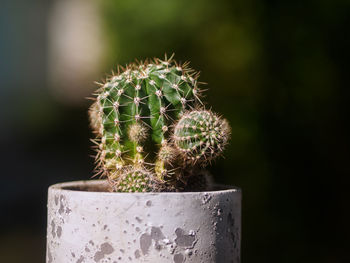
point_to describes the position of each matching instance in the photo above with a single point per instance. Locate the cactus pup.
(152, 130)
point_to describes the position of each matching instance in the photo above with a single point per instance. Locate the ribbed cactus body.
(134, 112)
(200, 136)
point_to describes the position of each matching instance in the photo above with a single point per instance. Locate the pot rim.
(85, 187)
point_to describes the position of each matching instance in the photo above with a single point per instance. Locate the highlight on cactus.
(152, 130)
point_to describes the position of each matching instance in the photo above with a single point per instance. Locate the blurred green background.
(278, 70)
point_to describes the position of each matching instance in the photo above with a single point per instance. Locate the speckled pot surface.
(86, 224)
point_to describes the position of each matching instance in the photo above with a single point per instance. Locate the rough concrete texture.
(85, 226)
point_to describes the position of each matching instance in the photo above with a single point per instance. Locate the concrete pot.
(87, 224)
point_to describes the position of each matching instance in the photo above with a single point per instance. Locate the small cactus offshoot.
(134, 180)
(152, 131)
(200, 136)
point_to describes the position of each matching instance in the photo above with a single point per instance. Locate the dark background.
(278, 70)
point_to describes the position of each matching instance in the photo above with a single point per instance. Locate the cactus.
(133, 117)
(200, 136)
(134, 180)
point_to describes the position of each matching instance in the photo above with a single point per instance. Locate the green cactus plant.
(152, 132)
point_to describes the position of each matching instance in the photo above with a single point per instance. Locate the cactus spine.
(133, 118)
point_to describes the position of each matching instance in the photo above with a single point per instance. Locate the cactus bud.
(168, 154)
(137, 132)
(96, 119)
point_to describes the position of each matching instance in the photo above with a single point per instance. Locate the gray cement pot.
(88, 225)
